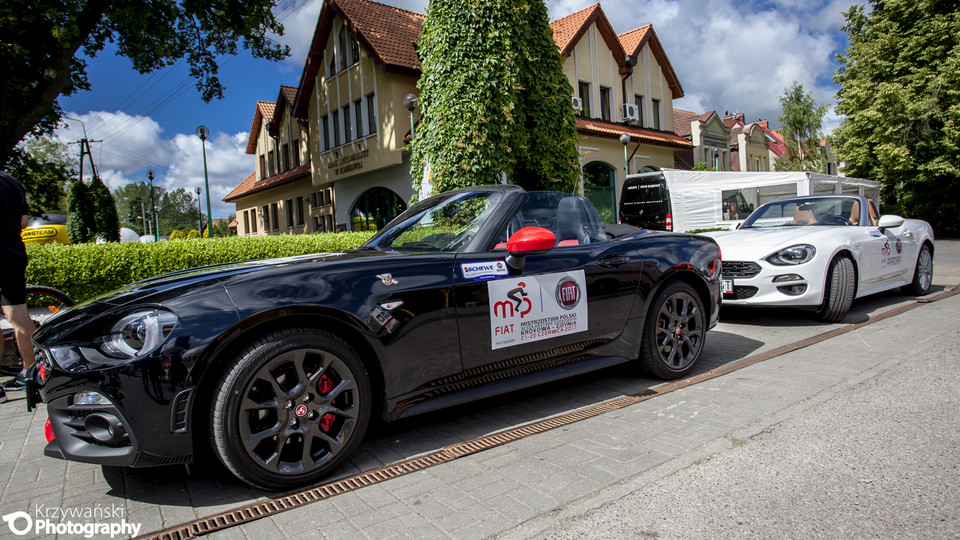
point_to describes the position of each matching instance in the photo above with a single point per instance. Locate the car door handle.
(613, 261)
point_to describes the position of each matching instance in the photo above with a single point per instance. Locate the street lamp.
(199, 211)
(410, 102)
(625, 139)
(716, 159)
(203, 132)
(153, 209)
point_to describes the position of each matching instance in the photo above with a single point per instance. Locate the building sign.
(348, 162)
(532, 308)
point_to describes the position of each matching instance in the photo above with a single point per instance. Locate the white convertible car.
(822, 251)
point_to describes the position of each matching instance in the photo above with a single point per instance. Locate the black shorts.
(13, 285)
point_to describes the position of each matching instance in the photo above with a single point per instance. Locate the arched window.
(375, 208)
(599, 184)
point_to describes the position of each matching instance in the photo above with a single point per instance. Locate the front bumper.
(800, 286)
(121, 425)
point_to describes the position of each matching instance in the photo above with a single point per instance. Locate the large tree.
(41, 42)
(900, 91)
(801, 120)
(493, 97)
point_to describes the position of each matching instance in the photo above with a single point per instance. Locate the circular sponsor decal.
(568, 293)
(301, 410)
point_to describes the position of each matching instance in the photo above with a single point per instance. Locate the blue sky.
(729, 56)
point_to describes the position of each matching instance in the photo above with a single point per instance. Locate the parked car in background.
(674, 200)
(277, 366)
(821, 252)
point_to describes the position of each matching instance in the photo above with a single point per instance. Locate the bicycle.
(42, 303)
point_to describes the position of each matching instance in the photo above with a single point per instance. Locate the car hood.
(203, 275)
(749, 244)
(175, 287)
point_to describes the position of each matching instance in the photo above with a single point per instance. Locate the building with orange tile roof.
(362, 62)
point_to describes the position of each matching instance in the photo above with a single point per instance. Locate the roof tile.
(649, 136)
(569, 27)
(250, 185)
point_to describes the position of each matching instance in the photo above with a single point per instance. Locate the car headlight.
(137, 334)
(792, 255)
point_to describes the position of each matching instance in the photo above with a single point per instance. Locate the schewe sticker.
(484, 269)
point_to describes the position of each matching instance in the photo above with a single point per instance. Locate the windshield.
(815, 211)
(445, 223)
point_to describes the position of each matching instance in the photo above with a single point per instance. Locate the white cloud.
(125, 147)
(737, 56)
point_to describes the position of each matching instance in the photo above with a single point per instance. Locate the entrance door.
(599, 183)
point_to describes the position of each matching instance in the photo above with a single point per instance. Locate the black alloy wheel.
(290, 409)
(674, 332)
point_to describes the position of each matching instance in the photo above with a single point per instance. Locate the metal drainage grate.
(255, 511)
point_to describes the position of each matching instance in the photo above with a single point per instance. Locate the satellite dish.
(203, 132)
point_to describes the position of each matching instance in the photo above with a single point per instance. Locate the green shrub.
(176, 234)
(87, 270)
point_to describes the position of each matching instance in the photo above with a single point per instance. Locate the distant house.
(272, 199)
(710, 138)
(622, 84)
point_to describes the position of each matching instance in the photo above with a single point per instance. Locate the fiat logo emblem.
(300, 411)
(568, 293)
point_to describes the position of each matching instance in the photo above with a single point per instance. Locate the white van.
(675, 200)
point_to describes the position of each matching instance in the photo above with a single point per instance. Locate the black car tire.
(674, 332)
(922, 273)
(290, 408)
(840, 287)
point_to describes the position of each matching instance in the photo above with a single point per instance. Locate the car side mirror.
(890, 221)
(528, 241)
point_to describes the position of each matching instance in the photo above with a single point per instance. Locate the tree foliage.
(41, 59)
(900, 91)
(91, 213)
(45, 168)
(106, 225)
(176, 209)
(801, 120)
(80, 213)
(493, 97)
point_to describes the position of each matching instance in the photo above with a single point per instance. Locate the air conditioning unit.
(630, 112)
(577, 103)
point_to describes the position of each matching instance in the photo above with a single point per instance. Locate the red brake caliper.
(325, 386)
(326, 422)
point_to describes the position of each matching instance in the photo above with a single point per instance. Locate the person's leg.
(23, 329)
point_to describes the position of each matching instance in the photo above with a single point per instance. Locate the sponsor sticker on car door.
(532, 308)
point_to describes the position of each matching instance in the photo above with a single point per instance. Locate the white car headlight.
(137, 333)
(798, 254)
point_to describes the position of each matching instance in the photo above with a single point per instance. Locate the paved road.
(805, 444)
(874, 456)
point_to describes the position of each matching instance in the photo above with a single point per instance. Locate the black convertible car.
(278, 365)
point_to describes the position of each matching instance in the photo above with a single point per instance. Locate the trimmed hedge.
(87, 270)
